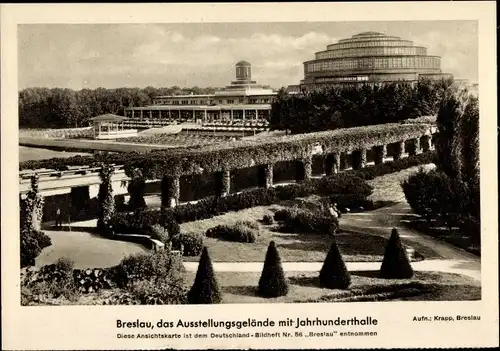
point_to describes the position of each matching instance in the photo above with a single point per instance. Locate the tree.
(205, 289)
(396, 264)
(334, 273)
(272, 281)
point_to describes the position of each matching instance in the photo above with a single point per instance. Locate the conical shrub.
(396, 264)
(205, 289)
(334, 273)
(272, 281)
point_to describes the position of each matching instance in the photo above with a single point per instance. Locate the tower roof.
(243, 63)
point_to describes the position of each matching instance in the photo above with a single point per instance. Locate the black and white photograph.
(319, 163)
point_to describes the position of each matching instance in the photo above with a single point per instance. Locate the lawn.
(241, 287)
(366, 286)
(33, 154)
(387, 188)
(303, 247)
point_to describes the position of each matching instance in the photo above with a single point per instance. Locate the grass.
(302, 247)
(387, 188)
(33, 154)
(304, 287)
(454, 236)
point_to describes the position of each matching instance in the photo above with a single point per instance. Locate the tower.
(243, 71)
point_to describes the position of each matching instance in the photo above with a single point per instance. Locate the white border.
(84, 327)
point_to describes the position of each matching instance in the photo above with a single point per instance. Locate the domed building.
(373, 58)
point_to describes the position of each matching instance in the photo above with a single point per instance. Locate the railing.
(78, 170)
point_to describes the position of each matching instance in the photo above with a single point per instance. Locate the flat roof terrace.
(203, 107)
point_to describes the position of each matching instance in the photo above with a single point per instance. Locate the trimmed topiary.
(205, 289)
(272, 281)
(396, 264)
(334, 273)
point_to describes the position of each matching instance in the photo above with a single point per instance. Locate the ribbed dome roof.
(366, 34)
(243, 63)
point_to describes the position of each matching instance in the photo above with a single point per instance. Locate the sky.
(81, 56)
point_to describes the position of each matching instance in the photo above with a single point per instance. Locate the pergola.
(107, 125)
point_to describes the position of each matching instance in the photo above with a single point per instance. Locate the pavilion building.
(243, 102)
(111, 126)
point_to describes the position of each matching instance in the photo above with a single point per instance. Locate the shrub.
(205, 289)
(149, 266)
(272, 282)
(50, 282)
(346, 190)
(159, 292)
(435, 195)
(191, 244)
(268, 220)
(160, 233)
(334, 274)
(32, 243)
(42, 238)
(239, 232)
(305, 221)
(396, 264)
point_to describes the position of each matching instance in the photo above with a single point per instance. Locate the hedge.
(346, 188)
(242, 154)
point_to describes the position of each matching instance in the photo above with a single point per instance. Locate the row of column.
(255, 115)
(333, 163)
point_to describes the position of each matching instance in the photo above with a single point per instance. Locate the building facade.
(242, 102)
(370, 57)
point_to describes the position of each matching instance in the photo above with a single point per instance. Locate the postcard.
(249, 175)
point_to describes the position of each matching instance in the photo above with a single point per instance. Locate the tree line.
(67, 108)
(351, 106)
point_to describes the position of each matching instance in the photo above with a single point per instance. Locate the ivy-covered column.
(32, 208)
(359, 159)
(222, 183)
(414, 147)
(332, 163)
(425, 143)
(106, 198)
(303, 169)
(380, 154)
(265, 174)
(399, 150)
(170, 191)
